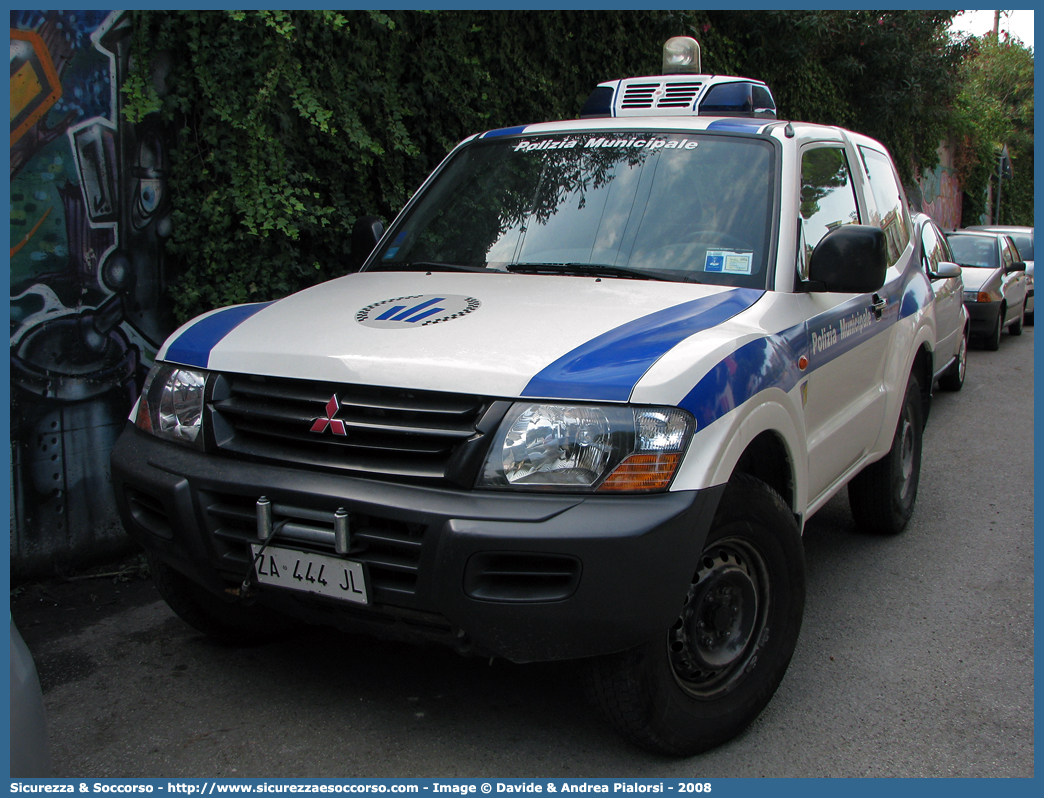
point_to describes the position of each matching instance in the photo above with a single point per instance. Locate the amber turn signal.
(642, 472)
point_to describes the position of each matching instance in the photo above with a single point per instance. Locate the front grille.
(391, 549)
(388, 432)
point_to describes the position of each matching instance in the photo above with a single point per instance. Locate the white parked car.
(30, 752)
(577, 403)
(952, 325)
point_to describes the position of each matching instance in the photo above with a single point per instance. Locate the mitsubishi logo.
(335, 424)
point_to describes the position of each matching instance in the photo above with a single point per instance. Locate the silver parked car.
(995, 290)
(30, 756)
(1023, 238)
(952, 326)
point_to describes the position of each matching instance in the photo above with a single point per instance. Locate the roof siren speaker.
(681, 54)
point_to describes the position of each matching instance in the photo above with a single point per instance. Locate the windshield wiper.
(585, 270)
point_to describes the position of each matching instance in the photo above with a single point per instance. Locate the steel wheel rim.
(907, 452)
(962, 358)
(718, 633)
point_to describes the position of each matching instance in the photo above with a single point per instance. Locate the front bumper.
(523, 576)
(983, 316)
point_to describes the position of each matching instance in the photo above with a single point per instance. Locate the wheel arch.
(766, 458)
(923, 369)
(766, 442)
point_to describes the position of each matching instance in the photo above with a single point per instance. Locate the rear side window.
(890, 214)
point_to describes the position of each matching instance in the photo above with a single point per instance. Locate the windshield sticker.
(627, 142)
(418, 310)
(728, 262)
(395, 245)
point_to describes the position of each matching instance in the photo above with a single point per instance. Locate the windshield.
(667, 206)
(976, 251)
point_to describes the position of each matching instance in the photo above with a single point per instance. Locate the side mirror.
(366, 232)
(944, 270)
(1018, 266)
(850, 259)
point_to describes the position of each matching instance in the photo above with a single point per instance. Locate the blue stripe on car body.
(772, 361)
(504, 131)
(737, 125)
(755, 366)
(193, 347)
(608, 367)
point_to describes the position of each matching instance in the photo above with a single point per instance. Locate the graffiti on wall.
(89, 214)
(941, 193)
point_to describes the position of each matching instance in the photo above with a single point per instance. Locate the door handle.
(878, 305)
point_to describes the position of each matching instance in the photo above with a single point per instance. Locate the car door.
(948, 293)
(1013, 282)
(847, 343)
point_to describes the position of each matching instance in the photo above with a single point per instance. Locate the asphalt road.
(915, 658)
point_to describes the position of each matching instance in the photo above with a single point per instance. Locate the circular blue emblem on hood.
(418, 310)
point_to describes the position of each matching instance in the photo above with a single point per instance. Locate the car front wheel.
(953, 379)
(1016, 326)
(705, 679)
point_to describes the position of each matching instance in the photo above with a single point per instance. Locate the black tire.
(1016, 326)
(883, 494)
(992, 342)
(232, 623)
(1029, 319)
(953, 379)
(704, 680)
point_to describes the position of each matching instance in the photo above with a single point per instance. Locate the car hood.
(488, 333)
(978, 279)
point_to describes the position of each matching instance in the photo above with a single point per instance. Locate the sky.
(1018, 23)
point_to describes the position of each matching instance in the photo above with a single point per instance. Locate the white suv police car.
(577, 403)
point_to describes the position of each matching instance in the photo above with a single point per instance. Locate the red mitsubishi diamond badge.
(335, 424)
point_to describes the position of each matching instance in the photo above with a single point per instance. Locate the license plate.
(312, 573)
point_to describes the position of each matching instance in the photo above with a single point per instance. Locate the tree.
(888, 74)
(995, 108)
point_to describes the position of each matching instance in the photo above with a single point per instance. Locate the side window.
(827, 195)
(890, 214)
(1006, 257)
(932, 252)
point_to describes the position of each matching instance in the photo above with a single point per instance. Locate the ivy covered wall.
(291, 125)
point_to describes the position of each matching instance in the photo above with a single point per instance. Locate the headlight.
(587, 448)
(171, 404)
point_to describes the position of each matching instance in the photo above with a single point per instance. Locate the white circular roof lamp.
(681, 54)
